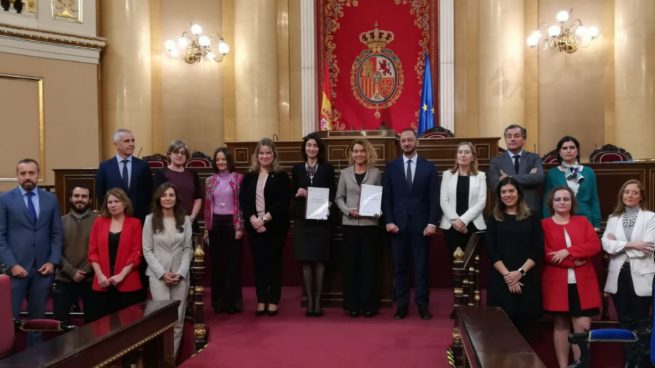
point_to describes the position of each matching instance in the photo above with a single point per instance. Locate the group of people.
(542, 253)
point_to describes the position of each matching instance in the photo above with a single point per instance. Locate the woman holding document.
(264, 199)
(360, 233)
(312, 227)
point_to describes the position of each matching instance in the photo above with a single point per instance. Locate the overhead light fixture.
(566, 37)
(193, 46)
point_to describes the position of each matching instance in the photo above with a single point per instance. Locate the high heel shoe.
(272, 312)
(261, 310)
(318, 310)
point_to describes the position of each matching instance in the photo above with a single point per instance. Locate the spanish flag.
(326, 106)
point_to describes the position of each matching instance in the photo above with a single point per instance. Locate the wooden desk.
(488, 339)
(147, 327)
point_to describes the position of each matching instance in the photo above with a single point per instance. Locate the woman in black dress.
(516, 246)
(312, 237)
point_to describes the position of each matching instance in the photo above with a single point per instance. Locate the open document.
(318, 203)
(370, 200)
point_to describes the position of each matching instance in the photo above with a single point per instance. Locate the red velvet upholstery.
(6, 320)
(437, 133)
(610, 153)
(156, 161)
(199, 160)
(550, 157)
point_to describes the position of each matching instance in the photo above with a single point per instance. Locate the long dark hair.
(522, 209)
(158, 211)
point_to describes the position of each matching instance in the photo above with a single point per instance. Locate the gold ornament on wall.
(70, 10)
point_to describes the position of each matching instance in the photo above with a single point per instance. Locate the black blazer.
(324, 178)
(140, 191)
(276, 195)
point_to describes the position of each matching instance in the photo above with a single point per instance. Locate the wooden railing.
(195, 304)
(466, 273)
(143, 331)
(485, 337)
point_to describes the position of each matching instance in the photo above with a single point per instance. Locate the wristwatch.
(522, 271)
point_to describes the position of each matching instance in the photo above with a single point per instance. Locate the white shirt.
(129, 167)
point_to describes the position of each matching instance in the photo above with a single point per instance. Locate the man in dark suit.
(30, 241)
(522, 165)
(126, 172)
(410, 202)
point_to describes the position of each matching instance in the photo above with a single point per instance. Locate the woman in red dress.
(569, 284)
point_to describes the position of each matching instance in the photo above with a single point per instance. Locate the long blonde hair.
(620, 206)
(371, 155)
(254, 162)
(474, 164)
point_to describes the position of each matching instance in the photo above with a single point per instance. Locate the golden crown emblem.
(376, 39)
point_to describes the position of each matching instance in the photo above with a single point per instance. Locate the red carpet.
(292, 340)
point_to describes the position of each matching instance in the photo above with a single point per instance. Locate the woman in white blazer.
(629, 240)
(167, 250)
(463, 198)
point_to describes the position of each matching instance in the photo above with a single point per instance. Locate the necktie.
(408, 174)
(30, 207)
(126, 178)
(516, 163)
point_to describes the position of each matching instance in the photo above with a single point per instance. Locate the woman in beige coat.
(360, 234)
(167, 250)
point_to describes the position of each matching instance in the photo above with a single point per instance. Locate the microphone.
(139, 154)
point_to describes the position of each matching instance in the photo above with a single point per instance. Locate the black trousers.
(634, 314)
(266, 250)
(456, 239)
(65, 294)
(360, 253)
(225, 257)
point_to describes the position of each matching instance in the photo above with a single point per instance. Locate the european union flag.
(426, 111)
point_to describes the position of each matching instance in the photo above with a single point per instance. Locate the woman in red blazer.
(115, 254)
(569, 285)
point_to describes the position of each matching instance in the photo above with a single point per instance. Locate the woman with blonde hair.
(264, 199)
(629, 239)
(463, 198)
(360, 234)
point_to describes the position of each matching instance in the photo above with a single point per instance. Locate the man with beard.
(30, 241)
(73, 279)
(410, 203)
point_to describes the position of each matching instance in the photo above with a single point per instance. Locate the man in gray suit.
(30, 240)
(522, 165)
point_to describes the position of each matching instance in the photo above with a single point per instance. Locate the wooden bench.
(145, 328)
(484, 337)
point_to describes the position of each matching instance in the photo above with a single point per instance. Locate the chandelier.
(564, 36)
(193, 46)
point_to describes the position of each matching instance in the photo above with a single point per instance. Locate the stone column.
(308, 67)
(634, 76)
(446, 64)
(126, 73)
(500, 65)
(256, 69)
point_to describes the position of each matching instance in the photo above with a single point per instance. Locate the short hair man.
(73, 279)
(522, 165)
(126, 172)
(30, 241)
(410, 202)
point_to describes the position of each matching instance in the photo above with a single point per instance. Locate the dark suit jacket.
(26, 244)
(529, 182)
(324, 178)
(129, 251)
(140, 192)
(276, 196)
(422, 203)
